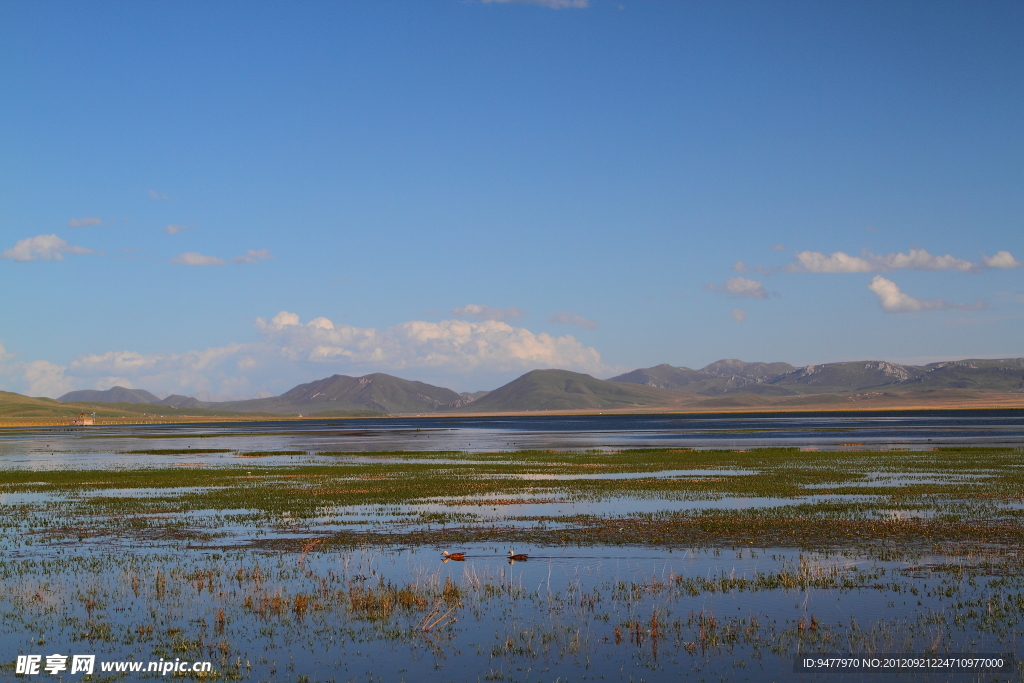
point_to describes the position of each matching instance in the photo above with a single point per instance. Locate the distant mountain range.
(781, 379)
(564, 390)
(340, 393)
(725, 383)
(112, 395)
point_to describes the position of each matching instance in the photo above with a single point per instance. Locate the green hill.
(665, 376)
(179, 401)
(17, 407)
(378, 392)
(564, 390)
(111, 395)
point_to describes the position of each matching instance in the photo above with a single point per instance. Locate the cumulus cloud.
(913, 259)
(253, 256)
(778, 247)
(553, 4)
(84, 222)
(42, 248)
(186, 373)
(46, 379)
(291, 350)
(740, 288)
(920, 259)
(570, 318)
(893, 300)
(838, 262)
(174, 229)
(194, 258)
(5, 358)
(738, 315)
(157, 195)
(1001, 259)
(132, 364)
(453, 344)
(478, 312)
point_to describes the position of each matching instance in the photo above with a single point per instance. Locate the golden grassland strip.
(810, 403)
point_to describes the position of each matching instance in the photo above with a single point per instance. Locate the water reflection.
(316, 441)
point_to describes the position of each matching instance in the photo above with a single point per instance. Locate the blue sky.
(233, 197)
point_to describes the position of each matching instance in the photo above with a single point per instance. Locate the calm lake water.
(106, 445)
(79, 573)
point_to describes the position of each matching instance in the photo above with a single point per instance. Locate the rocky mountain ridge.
(781, 379)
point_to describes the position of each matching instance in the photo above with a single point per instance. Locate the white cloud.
(185, 373)
(738, 315)
(280, 321)
(457, 345)
(6, 368)
(253, 256)
(893, 300)
(174, 229)
(42, 248)
(1002, 259)
(740, 288)
(478, 312)
(194, 258)
(553, 4)
(46, 379)
(132, 364)
(838, 262)
(570, 318)
(291, 351)
(157, 195)
(913, 259)
(778, 247)
(84, 222)
(920, 259)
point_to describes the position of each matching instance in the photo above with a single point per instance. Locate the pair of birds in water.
(461, 557)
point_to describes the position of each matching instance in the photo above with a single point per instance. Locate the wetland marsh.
(279, 555)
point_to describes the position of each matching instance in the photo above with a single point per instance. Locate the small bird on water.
(458, 557)
(518, 558)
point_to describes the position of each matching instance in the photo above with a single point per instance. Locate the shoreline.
(997, 402)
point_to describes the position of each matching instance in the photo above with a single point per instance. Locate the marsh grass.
(262, 558)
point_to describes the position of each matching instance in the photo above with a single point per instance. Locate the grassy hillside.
(111, 395)
(378, 392)
(564, 390)
(15, 407)
(665, 376)
(179, 401)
